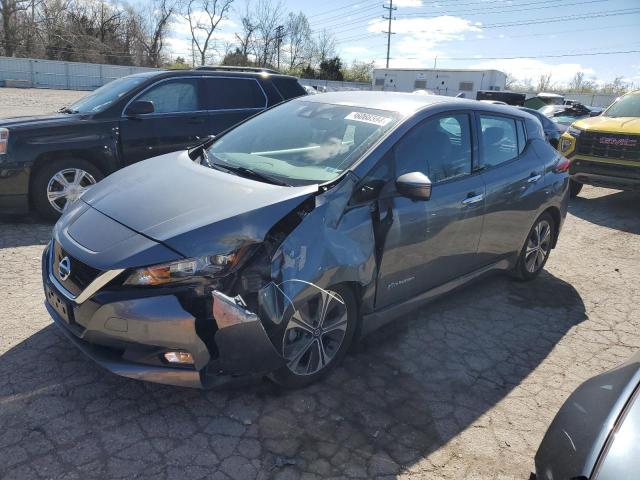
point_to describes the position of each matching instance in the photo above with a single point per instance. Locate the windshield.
(627, 106)
(105, 96)
(302, 142)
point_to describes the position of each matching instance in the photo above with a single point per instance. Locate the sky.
(526, 38)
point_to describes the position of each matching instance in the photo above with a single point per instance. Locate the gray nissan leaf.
(269, 249)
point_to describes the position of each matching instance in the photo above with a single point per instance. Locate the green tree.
(331, 69)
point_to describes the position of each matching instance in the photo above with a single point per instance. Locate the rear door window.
(173, 96)
(233, 94)
(498, 140)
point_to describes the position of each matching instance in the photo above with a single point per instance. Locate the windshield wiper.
(247, 172)
(67, 110)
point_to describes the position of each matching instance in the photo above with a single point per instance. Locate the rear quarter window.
(288, 87)
(233, 93)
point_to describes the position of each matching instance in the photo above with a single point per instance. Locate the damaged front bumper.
(129, 337)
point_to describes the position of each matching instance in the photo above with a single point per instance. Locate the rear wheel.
(60, 183)
(317, 337)
(537, 248)
(574, 188)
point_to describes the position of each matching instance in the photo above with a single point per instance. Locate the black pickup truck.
(48, 161)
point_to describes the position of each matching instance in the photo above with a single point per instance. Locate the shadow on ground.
(617, 210)
(404, 392)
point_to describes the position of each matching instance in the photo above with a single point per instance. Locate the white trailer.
(440, 82)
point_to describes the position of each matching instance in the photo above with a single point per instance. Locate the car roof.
(210, 73)
(405, 104)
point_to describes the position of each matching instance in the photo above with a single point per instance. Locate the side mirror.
(414, 185)
(140, 107)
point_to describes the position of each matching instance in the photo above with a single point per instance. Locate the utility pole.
(391, 8)
(279, 36)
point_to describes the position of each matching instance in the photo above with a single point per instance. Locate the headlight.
(4, 140)
(574, 132)
(182, 269)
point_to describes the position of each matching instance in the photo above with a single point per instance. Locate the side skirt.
(375, 320)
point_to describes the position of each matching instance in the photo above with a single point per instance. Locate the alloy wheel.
(538, 246)
(315, 333)
(66, 186)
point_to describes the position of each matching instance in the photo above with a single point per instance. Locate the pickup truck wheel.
(61, 182)
(317, 337)
(574, 188)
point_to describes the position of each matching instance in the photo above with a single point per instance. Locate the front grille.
(81, 274)
(609, 145)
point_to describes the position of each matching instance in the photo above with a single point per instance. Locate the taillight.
(4, 140)
(562, 165)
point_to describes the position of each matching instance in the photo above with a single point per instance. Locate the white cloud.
(418, 39)
(524, 68)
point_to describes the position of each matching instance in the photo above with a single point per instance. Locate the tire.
(48, 183)
(574, 188)
(305, 343)
(535, 253)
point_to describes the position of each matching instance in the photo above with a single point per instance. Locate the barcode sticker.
(368, 118)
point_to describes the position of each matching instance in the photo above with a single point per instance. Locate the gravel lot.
(464, 388)
(34, 101)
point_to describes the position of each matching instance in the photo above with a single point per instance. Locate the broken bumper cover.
(129, 338)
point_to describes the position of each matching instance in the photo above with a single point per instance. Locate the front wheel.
(59, 183)
(537, 248)
(317, 337)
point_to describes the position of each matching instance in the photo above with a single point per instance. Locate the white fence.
(89, 76)
(61, 75)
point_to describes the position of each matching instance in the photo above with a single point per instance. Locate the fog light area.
(179, 357)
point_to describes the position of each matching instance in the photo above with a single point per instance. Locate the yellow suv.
(605, 150)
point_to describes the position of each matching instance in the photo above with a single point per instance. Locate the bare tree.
(204, 16)
(267, 16)
(325, 46)
(245, 38)
(544, 82)
(10, 12)
(154, 23)
(299, 42)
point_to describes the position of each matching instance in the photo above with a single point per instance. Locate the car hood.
(629, 125)
(574, 441)
(52, 120)
(192, 209)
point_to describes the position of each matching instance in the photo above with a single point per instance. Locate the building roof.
(437, 70)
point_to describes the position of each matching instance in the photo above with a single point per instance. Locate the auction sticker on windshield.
(368, 118)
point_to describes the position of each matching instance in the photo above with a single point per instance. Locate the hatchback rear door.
(514, 176)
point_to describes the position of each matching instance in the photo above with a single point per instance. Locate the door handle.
(473, 199)
(534, 178)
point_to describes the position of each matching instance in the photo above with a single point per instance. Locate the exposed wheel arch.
(555, 214)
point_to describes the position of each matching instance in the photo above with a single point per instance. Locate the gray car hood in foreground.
(192, 209)
(577, 435)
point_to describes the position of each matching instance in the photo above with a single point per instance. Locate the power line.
(502, 9)
(562, 55)
(391, 9)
